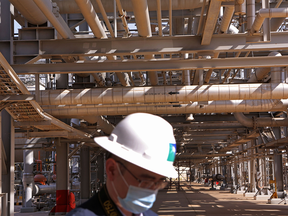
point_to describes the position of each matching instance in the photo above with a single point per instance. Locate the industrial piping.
(164, 94)
(260, 73)
(260, 122)
(57, 22)
(228, 14)
(91, 18)
(31, 11)
(141, 12)
(267, 13)
(194, 107)
(68, 6)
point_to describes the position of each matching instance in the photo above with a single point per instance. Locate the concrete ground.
(199, 200)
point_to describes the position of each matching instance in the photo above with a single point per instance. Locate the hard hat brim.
(121, 151)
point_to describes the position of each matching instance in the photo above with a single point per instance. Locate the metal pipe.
(103, 12)
(91, 18)
(267, 13)
(159, 17)
(142, 18)
(122, 15)
(250, 13)
(53, 19)
(68, 6)
(31, 11)
(170, 17)
(260, 122)
(240, 7)
(210, 107)
(226, 20)
(260, 73)
(44, 189)
(163, 94)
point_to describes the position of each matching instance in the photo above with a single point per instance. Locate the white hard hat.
(145, 140)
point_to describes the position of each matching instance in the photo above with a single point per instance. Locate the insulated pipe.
(226, 20)
(44, 189)
(164, 94)
(31, 11)
(68, 6)
(91, 18)
(260, 122)
(267, 13)
(142, 18)
(250, 13)
(159, 17)
(240, 7)
(194, 107)
(53, 19)
(260, 73)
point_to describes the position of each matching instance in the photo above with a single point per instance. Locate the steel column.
(62, 171)
(85, 167)
(278, 163)
(7, 136)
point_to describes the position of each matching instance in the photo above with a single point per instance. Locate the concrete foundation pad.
(276, 201)
(262, 197)
(248, 194)
(28, 209)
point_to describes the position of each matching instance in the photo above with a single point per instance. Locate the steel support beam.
(211, 19)
(152, 65)
(161, 45)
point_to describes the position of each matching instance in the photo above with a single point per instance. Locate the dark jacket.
(93, 207)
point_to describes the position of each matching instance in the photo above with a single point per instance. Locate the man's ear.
(111, 170)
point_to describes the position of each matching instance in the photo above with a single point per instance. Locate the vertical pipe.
(250, 13)
(37, 87)
(62, 182)
(115, 19)
(186, 74)
(159, 18)
(170, 17)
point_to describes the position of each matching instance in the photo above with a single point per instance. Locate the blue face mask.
(137, 199)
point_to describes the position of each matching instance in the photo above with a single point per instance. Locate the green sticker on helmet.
(172, 152)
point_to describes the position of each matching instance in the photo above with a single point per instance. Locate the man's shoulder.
(149, 213)
(91, 207)
(82, 212)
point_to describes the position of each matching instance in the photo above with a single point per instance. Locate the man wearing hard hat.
(141, 150)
